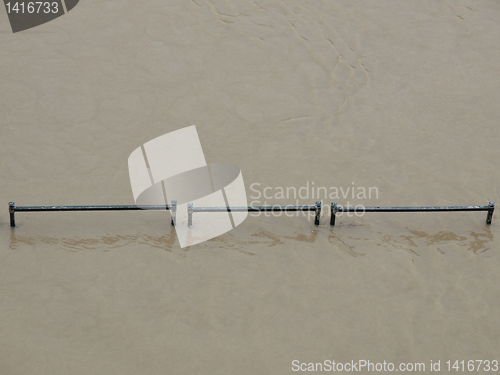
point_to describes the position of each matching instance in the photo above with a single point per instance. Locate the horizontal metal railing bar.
(412, 209)
(191, 209)
(254, 209)
(90, 208)
(334, 209)
(13, 209)
(316, 208)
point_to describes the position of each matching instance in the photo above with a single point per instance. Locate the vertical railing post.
(190, 214)
(491, 208)
(333, 213)
(12, 211)
(173, 211)
(318, 213)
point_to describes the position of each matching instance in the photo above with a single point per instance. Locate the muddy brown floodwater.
(401, 96)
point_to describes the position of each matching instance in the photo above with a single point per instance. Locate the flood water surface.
(400, 97)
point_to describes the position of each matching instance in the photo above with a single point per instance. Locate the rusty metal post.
(173, 210)
(318, 213)
(12, 211)
(491, 208)
(333, 213)
(190, 215)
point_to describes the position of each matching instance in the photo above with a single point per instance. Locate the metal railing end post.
(190, 215)
(12, 211)
(318, 213)
(491, 208)
(173, 211)
(333, 213)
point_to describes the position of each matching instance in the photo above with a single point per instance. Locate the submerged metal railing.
(334, 209)
(13, 209)
(316, 208)
(171, 207)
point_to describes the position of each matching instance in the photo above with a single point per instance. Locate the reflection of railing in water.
(191, 209)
